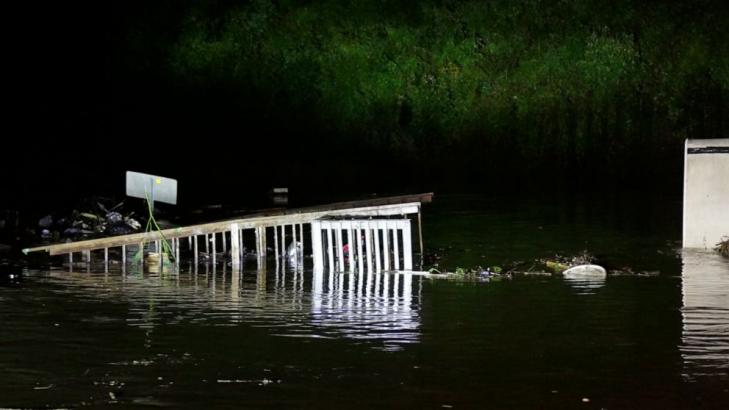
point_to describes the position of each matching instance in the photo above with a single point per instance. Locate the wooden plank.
(378, 263)
(385, 245)
(396, 247)
(330, 248)
(283, 248)
(213, 243)
(402, 205)
(368, 247)
(141, 256)
(296, 253)
(407, 247)
(275, 243)
(242, 244)
(263, 239)
(195, 250)
(301, 238)
(420, 239)
(258, 243)
(358, 240)
(340, 248)
(316, 247)
(353, 205)
(350, 248)
(235, 246)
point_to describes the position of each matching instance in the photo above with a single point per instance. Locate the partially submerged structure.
(372, 235)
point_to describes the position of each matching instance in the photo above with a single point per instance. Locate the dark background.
(96, 89)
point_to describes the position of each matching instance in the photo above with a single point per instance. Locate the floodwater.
(286, 339)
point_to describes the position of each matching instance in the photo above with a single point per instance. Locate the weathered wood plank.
(378, 263)
(396, 247)
(235, 246)
(368, 247)
(275, 242)
(385, 245)
(316, 245)
(350, 248)
(330, 249)
(407, 248)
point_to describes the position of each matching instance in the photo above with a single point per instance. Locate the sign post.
(152, 188)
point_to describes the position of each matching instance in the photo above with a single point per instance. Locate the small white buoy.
(582, 271)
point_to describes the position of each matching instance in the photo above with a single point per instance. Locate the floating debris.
(559, 264)
(627, 271)
(97, 218)
(152, 260)
(479, 274)
(588, 270)
(580, 266)
(295, 252)
(556, 267)
(723, 246)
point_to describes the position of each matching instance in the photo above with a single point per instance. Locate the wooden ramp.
(231, 231)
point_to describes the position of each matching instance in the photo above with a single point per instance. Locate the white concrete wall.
(705, 192)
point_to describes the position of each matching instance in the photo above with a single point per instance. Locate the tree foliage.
(586, 81)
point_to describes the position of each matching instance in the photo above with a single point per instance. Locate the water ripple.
(377, 308)
(705, 335)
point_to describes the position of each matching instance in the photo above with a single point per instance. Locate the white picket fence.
(372, 245)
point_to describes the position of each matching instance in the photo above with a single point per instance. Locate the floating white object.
(582, 271)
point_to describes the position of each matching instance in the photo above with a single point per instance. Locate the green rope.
(153, 226)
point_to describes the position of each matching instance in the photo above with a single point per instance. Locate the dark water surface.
(294, 339)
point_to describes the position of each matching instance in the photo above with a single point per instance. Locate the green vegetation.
(589, 83)
(165, 253)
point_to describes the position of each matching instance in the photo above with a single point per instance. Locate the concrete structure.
(705, 193)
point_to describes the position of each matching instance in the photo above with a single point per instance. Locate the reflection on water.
(213, 338)
(705, 335)
(366, 306)
(585, 285)
(378, 308)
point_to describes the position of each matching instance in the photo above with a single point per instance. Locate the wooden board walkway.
(377, 207)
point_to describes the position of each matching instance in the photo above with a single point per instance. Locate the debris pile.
(559, 264)
(580, 265)
(723, 246)
(479, 274)
(98, 219)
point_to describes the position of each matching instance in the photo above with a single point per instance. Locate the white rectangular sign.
(153, 187)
